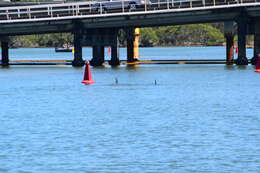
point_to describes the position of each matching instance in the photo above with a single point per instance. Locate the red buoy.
(87, 75)
(257, 66)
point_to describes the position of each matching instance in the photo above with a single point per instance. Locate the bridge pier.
(133, 35)
(229, 35)
(98, 39)
(256, 41)
(5, 52)
(78, 61)
(229, 49)
(242, 31)
(98, 55)
(114, 55)
(114, 49)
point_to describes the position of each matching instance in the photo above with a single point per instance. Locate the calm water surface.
(197, 119)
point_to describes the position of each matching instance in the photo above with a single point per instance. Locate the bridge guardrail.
(103, 8)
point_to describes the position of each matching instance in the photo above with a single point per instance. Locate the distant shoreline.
(247, 46)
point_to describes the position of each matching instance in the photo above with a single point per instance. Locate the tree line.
(180, 35)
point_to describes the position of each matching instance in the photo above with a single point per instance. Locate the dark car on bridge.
(122, 5)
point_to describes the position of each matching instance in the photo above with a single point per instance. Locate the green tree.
(148, 37)
(180, 35)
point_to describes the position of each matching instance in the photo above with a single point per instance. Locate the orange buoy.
(87, 75)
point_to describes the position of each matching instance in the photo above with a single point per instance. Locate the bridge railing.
(37, 12)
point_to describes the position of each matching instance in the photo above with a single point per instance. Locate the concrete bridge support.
(114, 55)
(229, 35)
(98, 55)
(5, 51)
(256, 41)
(242, 31)
(133, 35)
(114, 49)
(78, 61)
(98, 39)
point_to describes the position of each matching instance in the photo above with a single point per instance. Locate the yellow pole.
(136, 42)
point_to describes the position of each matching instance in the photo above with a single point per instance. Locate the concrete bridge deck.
(63, 17)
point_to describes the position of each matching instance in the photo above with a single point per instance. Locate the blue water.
(145, 53)
(197, 119)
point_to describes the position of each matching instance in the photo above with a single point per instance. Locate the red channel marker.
(87, 75)
(257, 66)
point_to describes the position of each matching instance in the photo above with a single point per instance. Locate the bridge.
(93, 24)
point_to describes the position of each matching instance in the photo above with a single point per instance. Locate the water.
(198, 118)
(146, 53)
